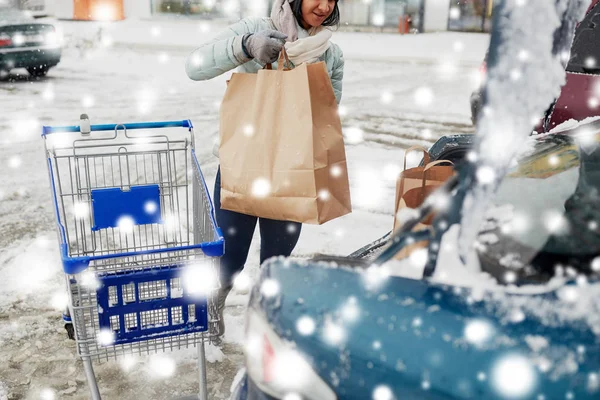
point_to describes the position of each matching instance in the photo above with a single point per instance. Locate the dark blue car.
(521, 321)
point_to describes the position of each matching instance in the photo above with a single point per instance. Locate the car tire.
(38, 72)
(4, 74)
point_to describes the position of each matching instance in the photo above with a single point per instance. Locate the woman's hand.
(264, 46)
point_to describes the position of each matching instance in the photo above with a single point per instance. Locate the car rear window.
(585, 51)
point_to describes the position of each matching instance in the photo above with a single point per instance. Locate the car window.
(585, 51)
(11, 15)
(548, 208)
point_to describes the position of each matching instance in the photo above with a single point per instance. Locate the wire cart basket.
(138, 239)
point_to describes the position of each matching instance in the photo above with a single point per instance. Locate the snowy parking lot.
(389, 103)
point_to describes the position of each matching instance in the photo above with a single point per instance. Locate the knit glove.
(264, 46)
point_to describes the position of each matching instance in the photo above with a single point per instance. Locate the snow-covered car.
(27, 43)
(521, 320)
(579, 97)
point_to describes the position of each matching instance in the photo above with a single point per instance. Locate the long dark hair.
(332, 20)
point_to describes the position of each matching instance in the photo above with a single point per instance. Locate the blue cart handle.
(186, 123)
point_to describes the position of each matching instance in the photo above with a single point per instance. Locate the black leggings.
(278, 238)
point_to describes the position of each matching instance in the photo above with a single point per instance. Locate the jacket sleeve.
(221, 54)
(337, 76)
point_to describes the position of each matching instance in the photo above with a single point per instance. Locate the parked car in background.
(580, 96)
(27, 43)
(525, 327)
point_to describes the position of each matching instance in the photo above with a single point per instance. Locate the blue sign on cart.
(140, 203)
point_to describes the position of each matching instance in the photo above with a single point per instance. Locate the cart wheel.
(70, 330)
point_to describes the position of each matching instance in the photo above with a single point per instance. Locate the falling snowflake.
(479, 332)
(486, 175)
(146, 99)
(242, 282)
(523, 55)
(126, 224)
(593, 102)
(378, 19)
(89, 280)
(481, 377)
(261, 188)
(291, 228)
(590, 62)
(324, 194)
(248, 130)
(370, 188)
(334, 334)
(106, 337)
(515, 74)
(60, 301)
(596, 264)
(513, 375)
(391, 172)
(336, 171)
(269, 288)
(197, 60)
(161, 366)
(155, 31)
(377, 345)
(417, 322)
(199, 279)
(555, 222)
(150, 207)
(107, 41)
(350, 311)
(424, 96)
(163, 58)
(569, 294)
(353, 135)
(127, 362)
(87, 101)
(203, 26)
(458, 46)
(342, 111)
(15, 162)
(305, 326)
(48, 93)
(387, 97)
(383, 392)
(47, 394)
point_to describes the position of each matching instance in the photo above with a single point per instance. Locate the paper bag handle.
(281, 62)
(432, 164)
(413, 148)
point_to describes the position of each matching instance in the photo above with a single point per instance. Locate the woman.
(300, 26)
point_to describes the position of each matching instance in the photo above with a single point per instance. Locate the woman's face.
(315, 12)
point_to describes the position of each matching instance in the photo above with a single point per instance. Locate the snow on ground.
(391, 104)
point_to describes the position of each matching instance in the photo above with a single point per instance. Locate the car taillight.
(5, 40)
(277, 367)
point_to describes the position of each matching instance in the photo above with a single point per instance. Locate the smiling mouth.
(320, 16)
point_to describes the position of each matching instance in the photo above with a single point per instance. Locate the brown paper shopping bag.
(415, 184)
(412, 188)
(281, 147)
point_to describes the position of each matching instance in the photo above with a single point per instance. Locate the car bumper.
(247, 390)
(33, 57)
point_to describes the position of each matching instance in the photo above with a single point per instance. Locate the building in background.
(470, 15)
(393, 15)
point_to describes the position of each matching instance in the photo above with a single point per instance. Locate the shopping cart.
(134, 218)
